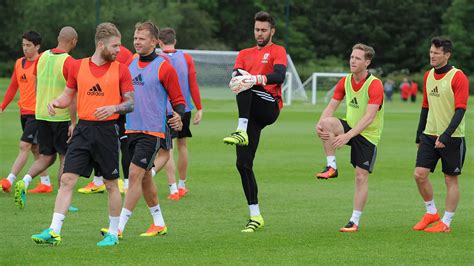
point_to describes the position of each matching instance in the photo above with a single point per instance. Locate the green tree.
(458, 25)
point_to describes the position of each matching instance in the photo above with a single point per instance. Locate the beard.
(108, 56)
(264, 42)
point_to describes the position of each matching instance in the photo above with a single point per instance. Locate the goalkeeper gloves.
(246, 81)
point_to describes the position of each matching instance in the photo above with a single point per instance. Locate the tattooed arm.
(128, 105)
(125, 107)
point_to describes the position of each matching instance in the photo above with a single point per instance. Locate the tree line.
(318, 34)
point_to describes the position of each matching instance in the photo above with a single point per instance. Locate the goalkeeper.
(258, 75)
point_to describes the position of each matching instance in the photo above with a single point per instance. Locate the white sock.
(356, 216)
(153, 172)
(113, 225)
(45, 180)
(254, 210)
(125, 183)
(173, 188)
(98, 180)
(182, 183)
(447, 218)
(431, 207)
(242, 124)
(11, 177)
(157, 216)
(27, 179)
(331, 161)
(124, 216)
(57, 222)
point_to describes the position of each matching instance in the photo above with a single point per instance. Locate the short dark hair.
(33, 37)
(167, 35)
(265, 16)
(444, 43)
(149, 26)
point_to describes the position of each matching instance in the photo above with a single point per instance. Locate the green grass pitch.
(302, 214)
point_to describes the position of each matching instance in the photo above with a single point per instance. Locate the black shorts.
(143, 148)
(52, 137)
(121, 126)
(363, 152)
(186, 131)
(29, 125)
(94, 145)
(452, 156)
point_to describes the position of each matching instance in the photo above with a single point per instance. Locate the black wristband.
(179, 108)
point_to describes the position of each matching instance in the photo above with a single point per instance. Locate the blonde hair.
(106, 30)
(369, 52)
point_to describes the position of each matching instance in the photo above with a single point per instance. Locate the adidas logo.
(23, 78)
(96, 90)
(143, 160)
(457, 170)
(353, 103)
(367, 163)
(434, 92)
(138, 80)
(115, 171)
(30, 136)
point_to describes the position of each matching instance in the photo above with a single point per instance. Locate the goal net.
(214, 69)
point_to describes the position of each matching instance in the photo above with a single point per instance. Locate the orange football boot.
(426, 220)
(174, 196)
(327, 173)
(154, 230)
(349, 228)
(182, 191)
(42, 188)
(439, 227)
(6, 185)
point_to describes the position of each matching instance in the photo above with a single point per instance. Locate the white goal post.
(314, 82)
(214, 69)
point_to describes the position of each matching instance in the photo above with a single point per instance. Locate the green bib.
(50, 84)
(441, 105)
(356, 103)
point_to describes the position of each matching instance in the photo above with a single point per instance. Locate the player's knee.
(35, 149)
(325, 123)
(49, 159)
(451, 181)
(25, 146)
(111, 186)
(361, 178)
(68, 181)
(134, 171)
(181, 143)
(420, 176)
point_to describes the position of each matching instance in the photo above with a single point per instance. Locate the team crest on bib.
(265, 58)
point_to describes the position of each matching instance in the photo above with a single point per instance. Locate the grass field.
(302, 214)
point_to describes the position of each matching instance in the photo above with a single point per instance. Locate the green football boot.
(109, 240)
(20, 194)
(239, 137)
(254, 223)
(105, 231)
(48, 236)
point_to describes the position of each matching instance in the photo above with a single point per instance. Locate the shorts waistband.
(91, 122)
